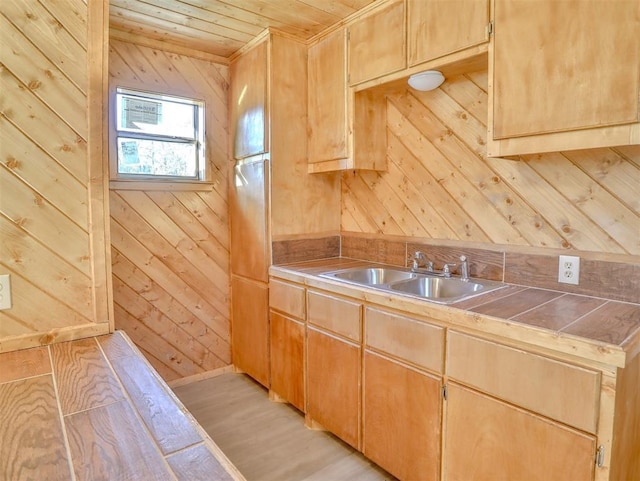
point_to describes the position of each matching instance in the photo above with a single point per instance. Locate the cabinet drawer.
(335, 314)
(564, 392)
(287, 298)
(413, 341)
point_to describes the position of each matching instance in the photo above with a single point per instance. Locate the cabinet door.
(248, 198)
(333, 385)
(250, 328)
(486, 439)
(401, 426)
(327, 122)
(550, 75)
(377, 44)
(249, 102)
(287, 359)
(438, 28)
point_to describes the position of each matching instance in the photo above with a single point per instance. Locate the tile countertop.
(94, 409)
(594, 329)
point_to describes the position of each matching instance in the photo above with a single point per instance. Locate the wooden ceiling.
(221, 27)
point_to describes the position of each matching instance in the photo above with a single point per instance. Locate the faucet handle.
(419, 260)
(446, 269)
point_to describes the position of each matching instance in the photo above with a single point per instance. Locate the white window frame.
(122, 180)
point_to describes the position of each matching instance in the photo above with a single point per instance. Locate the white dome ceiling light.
(424, 81)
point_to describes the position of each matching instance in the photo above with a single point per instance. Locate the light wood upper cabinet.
(377, 43)
(560, 85)
(437, 28)
(486, 439)
(328, 111)
(249, 126)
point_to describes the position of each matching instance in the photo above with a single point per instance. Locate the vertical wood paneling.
(51, 177)
(171, 248)
(441, 185)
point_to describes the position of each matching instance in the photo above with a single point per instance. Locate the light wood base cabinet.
(333, 385)
(288, 332)
(489, 440)
(375, 378)
(287, 359)
(250, 328)
(401, 418)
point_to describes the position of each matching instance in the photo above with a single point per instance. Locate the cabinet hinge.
(600, 456)
(444, 392)
(490, 28)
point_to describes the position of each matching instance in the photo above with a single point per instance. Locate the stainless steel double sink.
(429, 286)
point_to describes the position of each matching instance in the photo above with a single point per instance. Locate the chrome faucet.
(464, 268)
(419, 260)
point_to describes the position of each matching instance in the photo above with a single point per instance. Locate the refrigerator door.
(248, 210)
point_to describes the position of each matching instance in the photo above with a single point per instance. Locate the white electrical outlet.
(5, 291)
(569, 270)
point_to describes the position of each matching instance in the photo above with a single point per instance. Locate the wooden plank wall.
(440, 185)
(52, 189)
(170, 249)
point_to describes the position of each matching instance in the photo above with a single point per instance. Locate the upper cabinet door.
(438, 28)
(564, 67)
(327, 116)
(249, 126)
(377, 43)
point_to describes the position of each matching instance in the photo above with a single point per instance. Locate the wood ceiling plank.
(337, 8)
(213, 45)
(168, 19)
(201, 13)
(222, 27)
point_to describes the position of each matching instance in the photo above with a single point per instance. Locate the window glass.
(159, 136)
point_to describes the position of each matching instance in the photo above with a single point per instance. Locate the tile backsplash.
(610, 279)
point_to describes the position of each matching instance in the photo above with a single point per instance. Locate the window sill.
(202, 186)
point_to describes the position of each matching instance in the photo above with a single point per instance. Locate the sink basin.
(444, 290)
(372, 276)
(430, 287)
(437, 287)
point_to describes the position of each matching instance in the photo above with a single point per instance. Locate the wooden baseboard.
(200, 376)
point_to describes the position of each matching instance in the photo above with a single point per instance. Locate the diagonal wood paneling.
(170, 249)
(50, 175)
(440, 184)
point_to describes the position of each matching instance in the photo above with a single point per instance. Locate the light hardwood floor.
(268, 441)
